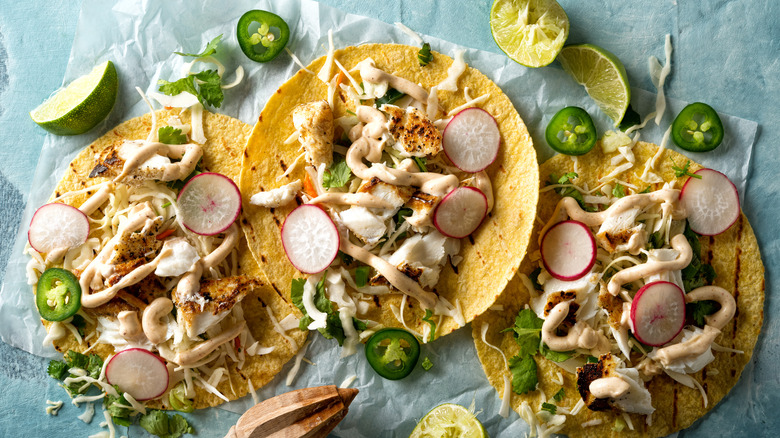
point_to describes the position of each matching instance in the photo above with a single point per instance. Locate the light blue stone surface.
(727, 53)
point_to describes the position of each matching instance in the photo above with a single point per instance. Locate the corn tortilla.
(490, 256)
(734, 255)
(226, 138)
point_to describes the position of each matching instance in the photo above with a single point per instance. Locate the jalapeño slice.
(264, 44)
(571, 131)
(58, 295)
(178, 398)
(697, 128)
(392, 353)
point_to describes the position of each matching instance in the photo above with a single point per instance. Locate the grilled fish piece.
(314, 123)
(111, 161)
(211, 303)
(415, 135)
(397, 196)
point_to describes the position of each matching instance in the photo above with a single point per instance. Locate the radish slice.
(310, 239)
(460, 212)
(568, 250)
(57, 225)
(209, 203)
(138, 373)
(712, 202)
(471, 140)
(658, 313)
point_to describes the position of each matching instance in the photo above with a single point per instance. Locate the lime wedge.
(531, 32)
(81, 105)
(449, 421)
(603, 76)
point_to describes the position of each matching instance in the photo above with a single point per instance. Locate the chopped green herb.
(696, 274)
(401, 216)
(646, 190)
(591, 359)
(527, 328)
(160, 424)
(80, 323)
(333, 328)
(211, 48)
(208, 90)
(565, 179)
(113, 404)
(429, 319)
(180, 183)
(680, 172)
(389, 98)
(570, 191)
(167, 204)
(337, 176)
(361, 275)
(620, 424)
(534, 277)
(524, 376)
(556, 356)
(551, 408)
(619, 191)
(427, 364)
(655, 241)
(421, 163)
(57, 369)
(699, 309)
(351, 112)
(424, 55)
(171, 135)
(559, 395)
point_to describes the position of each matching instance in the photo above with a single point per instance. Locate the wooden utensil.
(303, 413)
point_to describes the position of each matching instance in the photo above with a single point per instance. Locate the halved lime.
(449, 421)
(81, 105)
(531, 32)
(603, 76)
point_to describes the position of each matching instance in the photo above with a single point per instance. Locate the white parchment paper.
(140, 36)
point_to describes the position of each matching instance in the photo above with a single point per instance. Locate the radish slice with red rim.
(712, 202)
(209, 203)
(57, 225)
(658, 313)
(139, 373)
(568, 250)
(460, 212)
(471, 140)
(310, 239)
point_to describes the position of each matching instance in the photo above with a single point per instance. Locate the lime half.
(449, 421)
(603, 76)
(531, 32)
(81, 105)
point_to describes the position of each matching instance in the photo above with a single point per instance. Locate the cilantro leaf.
(559, 395)
(158, 423)
(337, 176)
(429, 319)
(80, 323)
(696, 274)
(524, 376)
(427, 364)
(361, 275)
(210, 90)
(655, 241)
(556, 356)
(591, 359)
(94, 366)
(570, 191)
(646, 190)
(565, 179)
(57, 369)
(171, 135)
(211, 48)
(528, 329)
(333, 328)
(534, 277)
(549, 407)
(346, 258)
(424, 55)
(389, 98)
(619, 191)
(119, 415)
(680, 172)
(699, 309)
(173, 88)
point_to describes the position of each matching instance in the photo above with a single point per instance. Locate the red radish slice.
(310, 239)
(139, 373)
(209, 203)
(568, 250)
(471, 140)
(712, 202)
(57, 225)
(460, 212)
(658, 313)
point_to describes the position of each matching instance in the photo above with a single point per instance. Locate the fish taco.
(653, 332)
(407, 153)
(171, 310)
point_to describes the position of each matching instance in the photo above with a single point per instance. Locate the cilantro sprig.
(171, 135)
(205, 85)
(211, 48)
(680, 172)
(337, 176)
(333, 328)
(424, 55)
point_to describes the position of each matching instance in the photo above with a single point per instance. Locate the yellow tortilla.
(226, 137)
(737, 261)
(490, 256)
